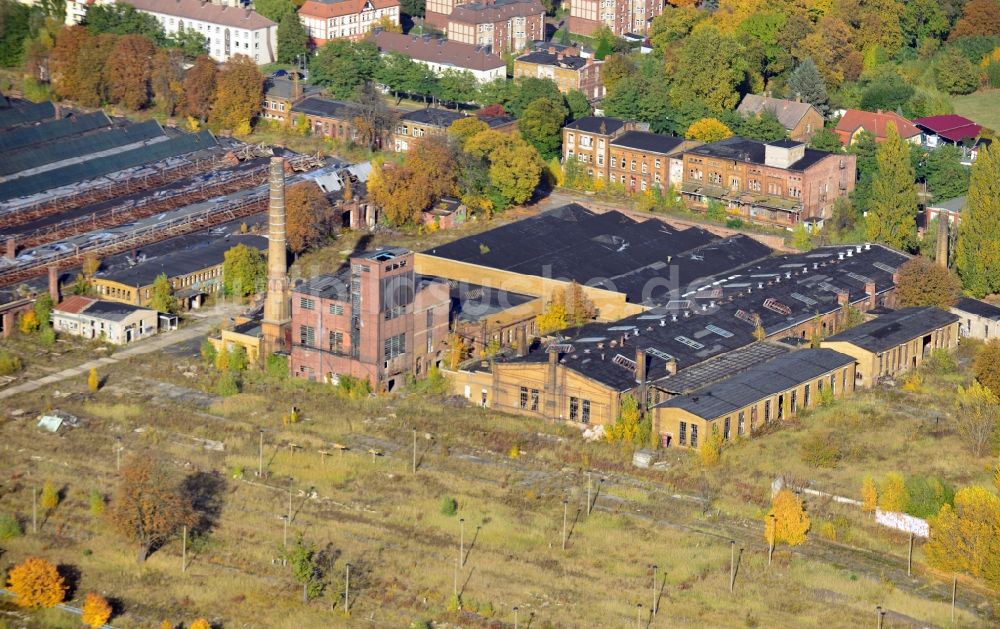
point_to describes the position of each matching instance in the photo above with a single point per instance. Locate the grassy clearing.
(372, 512)
(982, 107)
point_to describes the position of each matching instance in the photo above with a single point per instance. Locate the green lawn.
(982, 107)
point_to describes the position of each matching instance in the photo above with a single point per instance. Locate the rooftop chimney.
(941, 253)
(870, 291)
(640, 365)
(843, 298)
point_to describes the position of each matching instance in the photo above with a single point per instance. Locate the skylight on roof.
(690, 343)
(652, 351)
(591, 339)
(724, 333)
(861, 278)
(809, 301)
(623, 361)
(621, 328)
(884, 267)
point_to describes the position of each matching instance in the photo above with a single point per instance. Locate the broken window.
(524, 397)
(574, 408)
(585, 416)
(725, 429)
(307, 335)
(694, 435)
(682, 435)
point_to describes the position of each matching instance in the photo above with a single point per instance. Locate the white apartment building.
(345, 19)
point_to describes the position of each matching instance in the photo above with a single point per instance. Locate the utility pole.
(260, 456)
(653, 606)
(638, 615)
(461, 542)
(770, 541)
(455, 586)
(118, 454)
(909, 558)
(414, 450)
(565, 511)
(954, 591)
(34, 510)
(879, 614)
(732, 564)
(184, 550)
(515, 617)
(347, 589)
(289, 502)
(588, 492)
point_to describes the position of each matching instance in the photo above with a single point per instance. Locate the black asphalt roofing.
(197, 256)
(435, 117)
(977, 307)
(593, 124)
(545, 58)
(110, 310)
(574, 243)
(23, 112)
(895, 328)
(745, 150)
(719, 315)
(325, 108)
(720, 368)
(335, 286)
(471, 302)
(764, 380)
(48, 131)
(648, 142)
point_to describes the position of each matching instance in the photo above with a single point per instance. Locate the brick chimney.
(941, 254)
(640, 366)
(11, 248)
(843, 298)
(870, 291)
(54, 284)
(522, 341)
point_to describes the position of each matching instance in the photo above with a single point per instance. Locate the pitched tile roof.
(876, 123)
(440, 51)
(338, 8)
(788, 112)
(490, 11)
(950, 127)
(206, 12)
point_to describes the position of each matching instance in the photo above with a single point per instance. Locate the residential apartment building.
(502, 26)
(781, 183)
(377, 320)
(569, 72)
(280, 94)
(588, 140)
(430, 122)
(621, 16)
(328, 118)
(325, 20)
(800, 120)
(442, 55)
(229, 30)
(854, 122)
(641, 161)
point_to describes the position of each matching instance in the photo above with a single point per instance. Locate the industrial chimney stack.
(277, 307)
(941, 256)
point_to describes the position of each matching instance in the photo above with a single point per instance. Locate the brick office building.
(499, 25)
(642, 161)
(377, 320)
(328, 118)
(781, 183)
(414, 125)
(588, 140)
(570, 72)
(345, 19)
(621, 16)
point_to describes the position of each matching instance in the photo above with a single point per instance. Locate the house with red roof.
(345, 19)
(951, 129)
(856, 121)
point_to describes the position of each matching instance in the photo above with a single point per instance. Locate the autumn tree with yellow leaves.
(966, 537)
(36, 582)
(96, 610)
(238, 93)
(790, 522)
(869, 495)
(200, 623)
(894, 496)
(708, 130)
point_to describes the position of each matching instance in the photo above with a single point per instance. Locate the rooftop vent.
(850, 253)
(868, 246)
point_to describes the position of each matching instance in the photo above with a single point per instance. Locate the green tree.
(946, 176)
(578, 104)
(275, 10)
(189, 43)
(955, 74)
(763, 126)
(43, 310)
(123, 19)
(711, 67)
(807, 83)
(888, 91)
(977, 252)
(341, 65)
(865, 148)
(923, 19)
(162, 298)
(530, 89)
(414, 8)
(243, 271)
(457, 86)
(826, 140)
(14, 32)
(515, 170)
(541, 125)
(292, 38)
(304, 560)
(891, 214)
(626, 427)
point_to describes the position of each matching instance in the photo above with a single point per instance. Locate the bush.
(96, 610)
(10, 527)
(96, 500)
(420, 623)
(277, 366)
(37, 583)
(9, 364)
(449, 506)
(821, 450)
(941, 362)
(208, 353)
(927, 495)
(228, 384)
(353, 388)
(893, 495)
(47, 336)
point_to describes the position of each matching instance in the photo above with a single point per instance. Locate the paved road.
(199, 325)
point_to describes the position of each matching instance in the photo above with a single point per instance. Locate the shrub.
(277, 366)
(987, 366)
(966, 537)
(449, 506)
(790, 522)
(93, 381)
(96, 500)
(927, 495)
(515, 451)
(9, 364)
(50, 496)
(914, 382)
(10, 527)
(825, 396)
(869, 495)
(353, 388)
(821, 450)
(47, 336)
(420, 623)
(200, 623)
(710, 450)
(894, 495)
(36, 583)
(96, 610)
(941, 362)
(208, 353)
(228, 384)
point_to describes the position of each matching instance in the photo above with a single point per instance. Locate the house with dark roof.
(588, 141)
(641, 161)
(281, 94)
(855, 121)
(951, 209)
(896, 342)
(737, 405)
(569, 71)
(325, 20)
(781, 183)
(433, 121)
(109, 321)
(443, 55)
(500, 26)
(952, 129)
(800, 120)
(978, 319)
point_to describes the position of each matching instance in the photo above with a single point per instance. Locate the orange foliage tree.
(966, 537)
(308, 215)
(36, 582)
(924, 283)
(128, 71)
(200, 623)
(149, 506)
(238, 94)
(199, 88)
(790, 522)
(96, 610)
